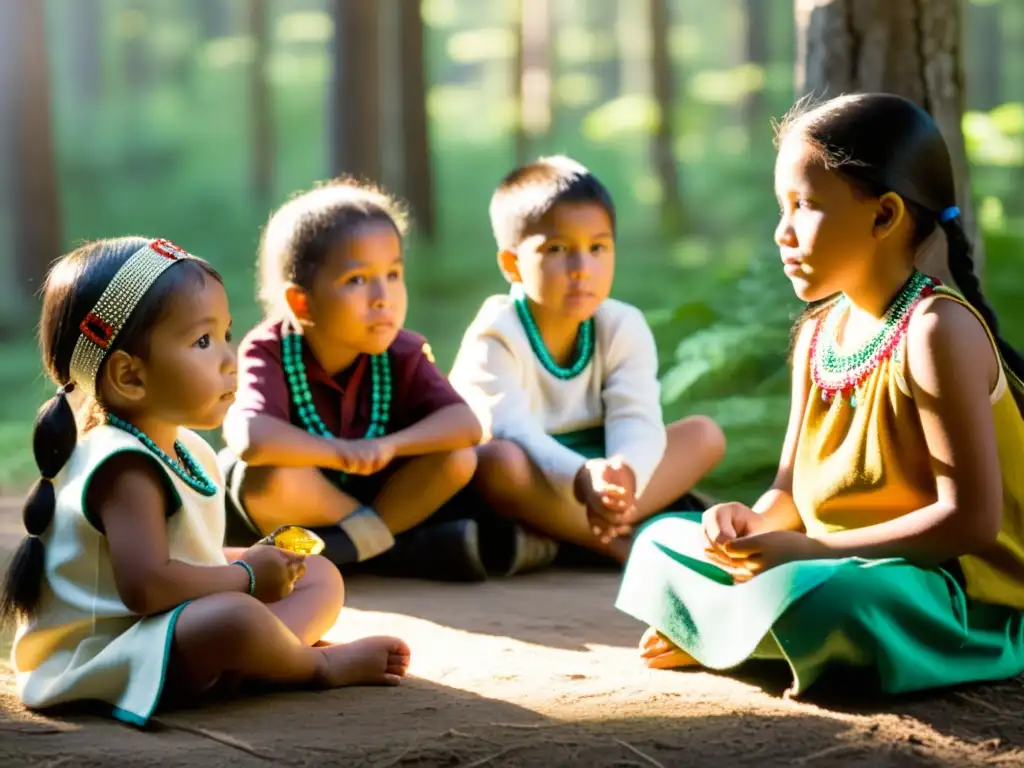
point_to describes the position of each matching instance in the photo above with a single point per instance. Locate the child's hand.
(276, 571)
(725, 522)
(606, 488)
(364, 457)
(747, 556)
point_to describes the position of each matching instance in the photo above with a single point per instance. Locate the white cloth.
(517, 399)
(84, 644)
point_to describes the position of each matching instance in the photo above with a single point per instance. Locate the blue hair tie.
(949, 214)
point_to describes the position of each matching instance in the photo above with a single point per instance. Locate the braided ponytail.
(53, 441)
(961, 267)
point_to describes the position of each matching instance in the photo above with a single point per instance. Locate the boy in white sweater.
(564, 379)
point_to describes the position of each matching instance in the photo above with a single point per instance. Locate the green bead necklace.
(298, 386)
(187, 468)
(843, 374)
(584, 341)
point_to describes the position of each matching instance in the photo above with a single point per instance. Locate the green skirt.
(589, 443)
(915, 627)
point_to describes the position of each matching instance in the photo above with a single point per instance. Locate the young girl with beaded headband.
(343, 423)
(125, 594)
(892, 539)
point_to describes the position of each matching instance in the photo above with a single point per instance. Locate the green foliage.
(172, 158)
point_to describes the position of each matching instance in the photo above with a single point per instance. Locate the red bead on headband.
(116, 304)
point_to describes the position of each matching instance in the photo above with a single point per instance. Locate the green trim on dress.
(134, 718)
(915, 627)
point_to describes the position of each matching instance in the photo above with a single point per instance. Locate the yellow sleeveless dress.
(855, 466)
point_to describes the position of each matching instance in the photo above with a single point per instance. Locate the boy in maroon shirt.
(342, 422)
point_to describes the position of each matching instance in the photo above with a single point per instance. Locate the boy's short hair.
(529, 192)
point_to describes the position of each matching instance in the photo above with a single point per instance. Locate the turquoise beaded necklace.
(298, 386)
(188, 469)
(584, 340)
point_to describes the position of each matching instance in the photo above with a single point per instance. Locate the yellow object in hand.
(295, 539)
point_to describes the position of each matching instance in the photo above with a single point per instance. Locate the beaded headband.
(100, 327)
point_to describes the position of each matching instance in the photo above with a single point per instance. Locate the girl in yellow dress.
(893, 536)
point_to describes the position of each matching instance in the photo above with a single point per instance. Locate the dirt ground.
(534, 671)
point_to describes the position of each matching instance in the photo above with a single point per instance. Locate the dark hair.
(301, 232)
(72, 288)
(528, 193)
(881, 143)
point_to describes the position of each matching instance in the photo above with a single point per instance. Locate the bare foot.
(369, 661)
(658, 652)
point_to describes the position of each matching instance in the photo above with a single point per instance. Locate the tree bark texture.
(907, 47)
(355, 109)
(262, 113)
(533, 75)
(663, 143)
(418, 179)
(28, 143)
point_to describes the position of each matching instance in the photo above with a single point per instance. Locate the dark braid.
(961, 267)
(53, 441)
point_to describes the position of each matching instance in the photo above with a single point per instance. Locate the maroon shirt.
(343, 402)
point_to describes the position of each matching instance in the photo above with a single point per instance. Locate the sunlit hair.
(882, 143)
(300, 234)
(528, 193)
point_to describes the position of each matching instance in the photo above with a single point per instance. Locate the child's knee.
(458, 467)
(275, 484)
(704, 432)
(323, 579)
(227, 620)
(503, 462)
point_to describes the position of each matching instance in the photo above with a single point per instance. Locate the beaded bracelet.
(250, 571)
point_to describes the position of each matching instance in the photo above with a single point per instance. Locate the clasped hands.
(365, 456)
(607, 488)
(738, 542)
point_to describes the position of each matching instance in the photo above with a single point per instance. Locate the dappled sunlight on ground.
(533, 671)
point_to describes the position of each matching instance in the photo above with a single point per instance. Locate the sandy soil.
(533, 671)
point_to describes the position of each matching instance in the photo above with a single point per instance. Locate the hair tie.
(66, 389)
(45, 479)
(949, 214)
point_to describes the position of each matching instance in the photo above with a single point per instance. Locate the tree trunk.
(354, 124)
(907, 47)
(29, 164)
(85, 29)
(758, 20)
(417, 171)
(533, 75)
(985, 78)
(663, 144)
(261, 117)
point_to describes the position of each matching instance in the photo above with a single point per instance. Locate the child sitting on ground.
(125, 594)
(343, 424)
(564, 379)
(892, 540)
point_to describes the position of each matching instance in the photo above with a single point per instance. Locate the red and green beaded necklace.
(835, 373)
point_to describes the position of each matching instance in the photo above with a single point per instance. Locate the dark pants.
(447, 546)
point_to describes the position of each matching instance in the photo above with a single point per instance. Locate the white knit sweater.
(516, 398)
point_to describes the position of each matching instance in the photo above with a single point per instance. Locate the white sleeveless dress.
(84, 644)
